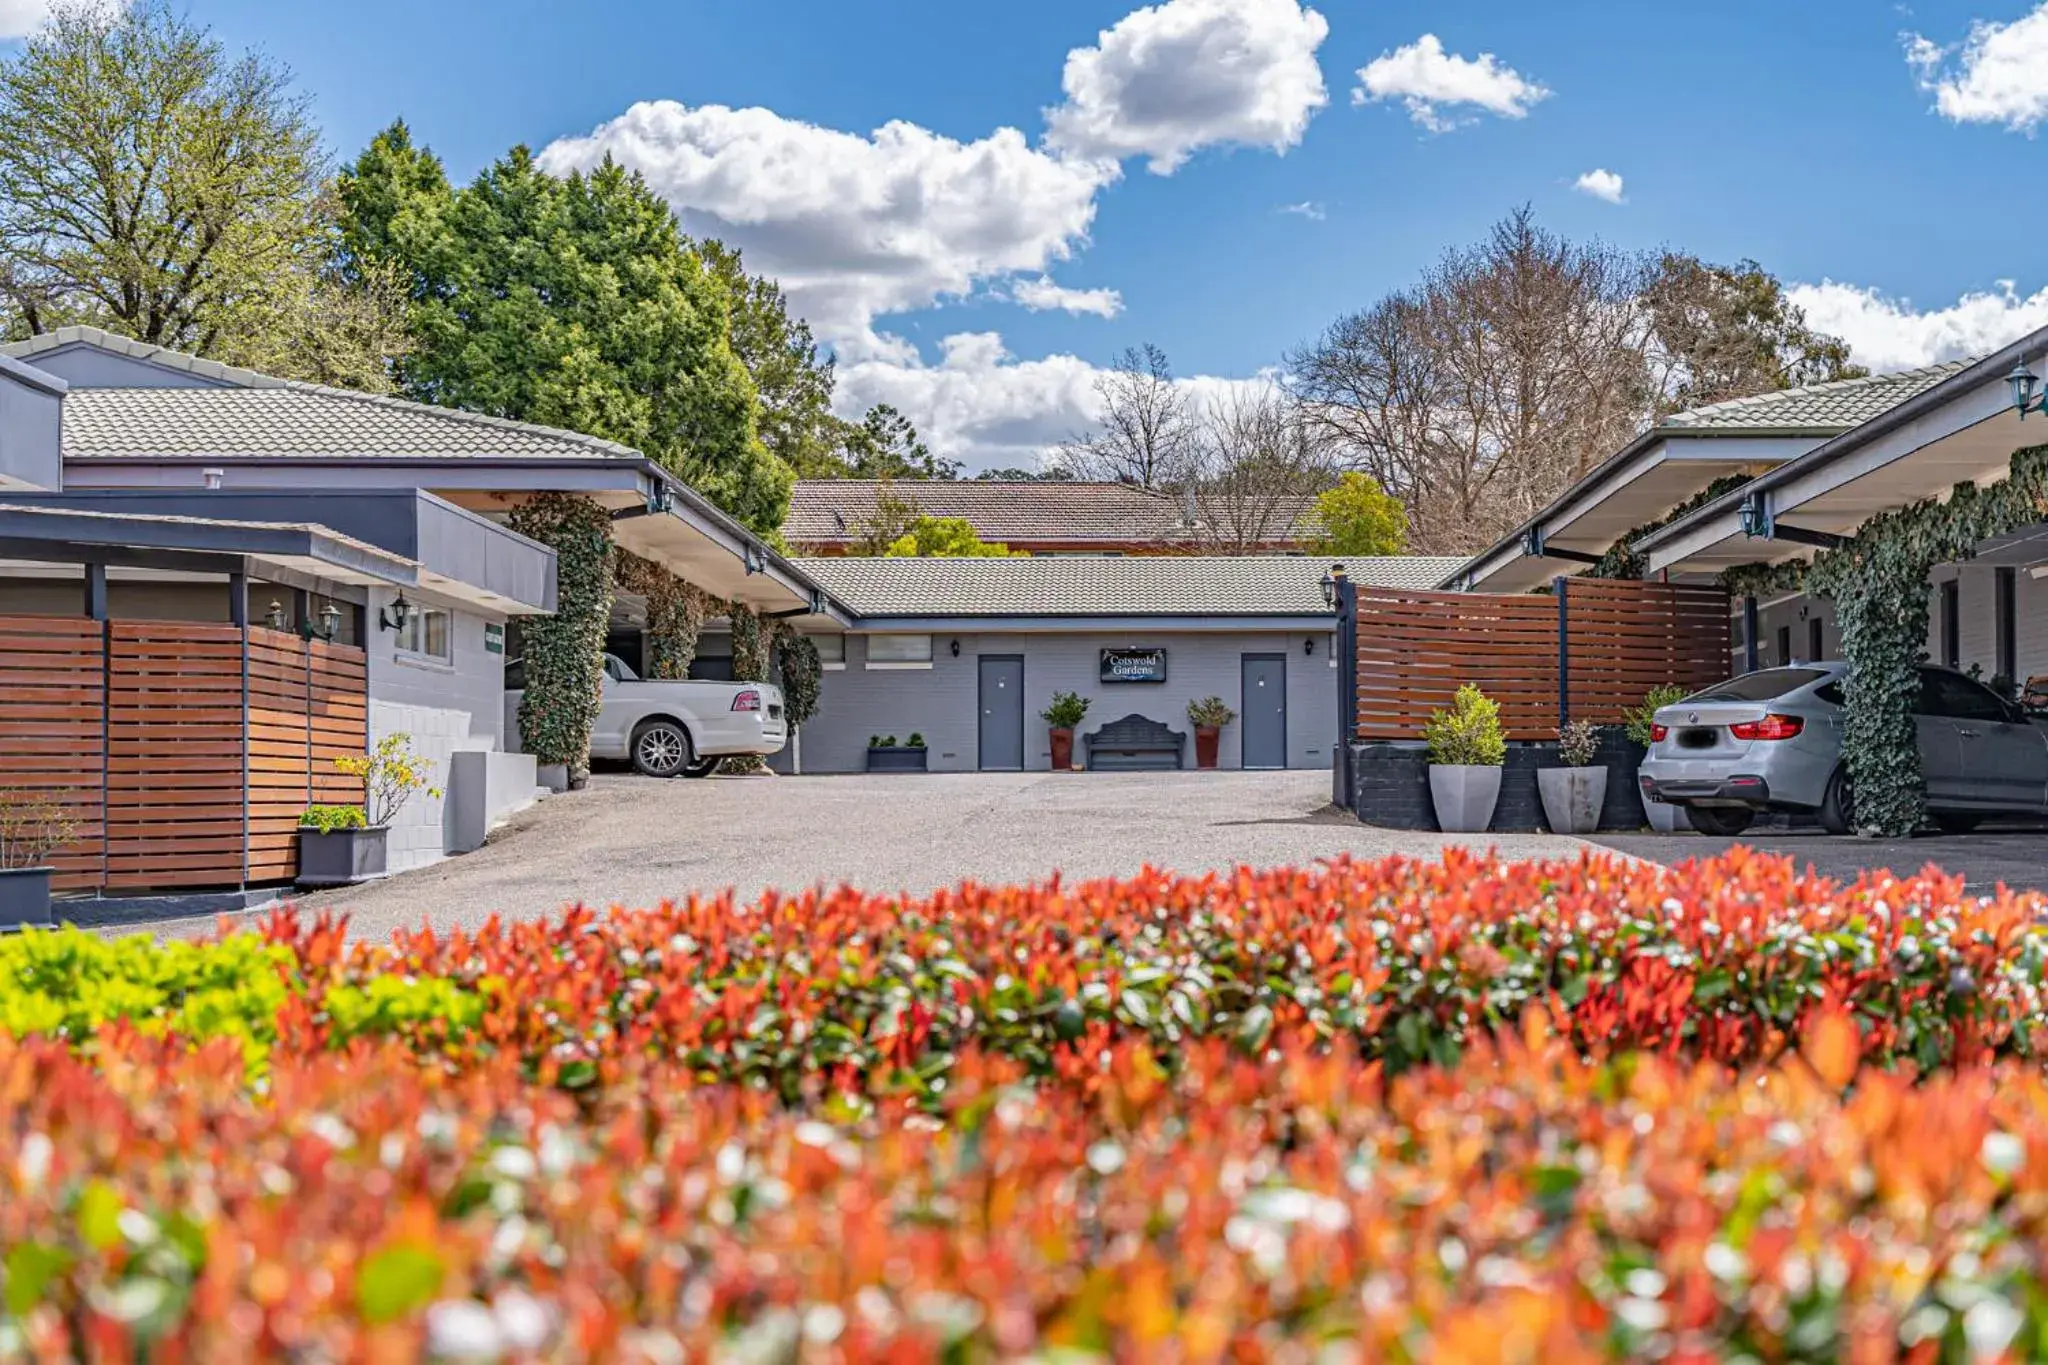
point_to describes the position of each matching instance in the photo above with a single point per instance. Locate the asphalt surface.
(636, 841)
(2014, 855)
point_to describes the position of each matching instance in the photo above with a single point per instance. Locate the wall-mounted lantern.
(2026, 394)
(396, 615)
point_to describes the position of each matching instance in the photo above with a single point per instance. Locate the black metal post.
(1347, 688)
(238, 600)
(238, 615)
(1749, 629)
(96, 592)
(1564, 653)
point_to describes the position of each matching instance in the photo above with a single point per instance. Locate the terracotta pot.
(1062, 748)
(1207, 737)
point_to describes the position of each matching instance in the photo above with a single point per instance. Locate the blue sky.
(1816, 136)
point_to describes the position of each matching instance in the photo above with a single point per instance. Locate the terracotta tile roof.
(1150, 585)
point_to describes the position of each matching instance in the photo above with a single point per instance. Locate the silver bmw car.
(1772, 740)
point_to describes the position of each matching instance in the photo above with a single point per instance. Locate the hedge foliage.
(564, 653)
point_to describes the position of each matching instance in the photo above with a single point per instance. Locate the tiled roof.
(1838, 406)
(833, 511)
(1151, 585)
(299, 419)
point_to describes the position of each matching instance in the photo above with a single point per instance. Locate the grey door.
(1941, 741)
(1265, 711)
(2004, 758)
(1002, 713)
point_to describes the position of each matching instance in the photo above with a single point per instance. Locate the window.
(831, 648)
(2009, 625)
(1784, 644)
(425, 634)
(1951, 623)
(1767, 685)
(1957, 697)
(1816, 640)
(1831, 694)
(899, 649)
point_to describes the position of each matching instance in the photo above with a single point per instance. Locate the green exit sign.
(494, 639)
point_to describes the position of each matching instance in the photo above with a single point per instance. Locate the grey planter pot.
(1666, 818)
(343, 858)
(553, 776)
(1572, 798)
(24, 898)
(1464, 795)
(900, 758)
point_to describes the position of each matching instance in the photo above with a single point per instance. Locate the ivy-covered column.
(803, 680)
(675, 615)
(751, 662)
(564, 653)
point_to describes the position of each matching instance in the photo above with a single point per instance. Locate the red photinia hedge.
(1526, 1204)
(1408, 961)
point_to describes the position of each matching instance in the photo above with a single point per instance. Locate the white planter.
(1666, 818)
(1572, 798)
(1465, 795)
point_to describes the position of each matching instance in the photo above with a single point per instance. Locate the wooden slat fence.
(1613, 641)
(186, 751)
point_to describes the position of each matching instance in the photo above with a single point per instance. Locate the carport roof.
(1096, 586)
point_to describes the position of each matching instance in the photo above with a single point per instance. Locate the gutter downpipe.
(1347, 685)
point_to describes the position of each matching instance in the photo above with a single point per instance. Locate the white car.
(671, 729)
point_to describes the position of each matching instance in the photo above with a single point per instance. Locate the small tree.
(1358, 517)
(32, 827)
(1469, 733)
(392, 774)
(944, 538)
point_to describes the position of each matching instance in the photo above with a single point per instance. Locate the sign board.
(494, 639)
(1134, 665)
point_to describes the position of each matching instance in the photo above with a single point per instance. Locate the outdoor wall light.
(2026, 395)
(1308, 646)
(396, 615)
(1329, 585)
(274, 618)
(956, 649)
(329, 627)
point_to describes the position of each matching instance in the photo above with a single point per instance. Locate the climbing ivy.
(675, 615)
(803, 673)
(564, 653)
(751, 662)
(1621, 559)
(1878, 583)
(1765, 580)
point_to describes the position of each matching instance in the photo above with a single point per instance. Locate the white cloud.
(1043, 295)
(854, 227)
(1172, 78)
(1601, 184)
(1890, 334)
(1427, 80)
(2000, 74)
(1308, 209)
(19, 18)
(982, 406)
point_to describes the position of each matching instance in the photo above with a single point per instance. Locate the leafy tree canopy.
(792, 381)
(1358, 517)
(886, 446)
(945, 538)
(1730, 332)
(571, 302)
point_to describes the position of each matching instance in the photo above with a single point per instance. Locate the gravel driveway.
(635, 841)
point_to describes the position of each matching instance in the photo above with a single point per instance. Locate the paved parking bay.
(634, 841)
(2013, 854)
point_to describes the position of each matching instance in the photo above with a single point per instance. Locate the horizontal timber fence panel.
(185, 752)
(1589, 650)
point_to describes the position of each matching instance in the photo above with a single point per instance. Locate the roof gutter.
(1992, 366)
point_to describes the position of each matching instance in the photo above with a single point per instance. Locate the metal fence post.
(1347, 687)
(1749, 628)
(1564, 653)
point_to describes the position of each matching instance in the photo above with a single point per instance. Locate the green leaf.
(1253, 1028)
(99, 1216)
(398, 1280)
(30, 1268)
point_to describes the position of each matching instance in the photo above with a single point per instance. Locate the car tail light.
(1770, 727)
(1658, 732)
(747, 701)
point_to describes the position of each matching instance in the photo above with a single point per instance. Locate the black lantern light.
(1329, 585)
(396, 615)
(2026, 395)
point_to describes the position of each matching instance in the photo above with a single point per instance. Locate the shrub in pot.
(1062, 714)
(1208, 716)
(887, 756)
(1663, 817)
(1466, 751)
(32, 827)
(340, 845)
(1573, 793)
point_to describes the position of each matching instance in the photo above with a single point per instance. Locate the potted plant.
(341, 845)
(1066, 711)
(32, 827)
(887, 756)
(1466, 751)
(1574, 793)
(1663, 817)
(1208, 716)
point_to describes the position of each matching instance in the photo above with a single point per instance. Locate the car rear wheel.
(661, 748)
(1838, 806)
(1956, 822)
(1724, 821)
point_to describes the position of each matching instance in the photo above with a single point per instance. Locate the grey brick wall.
(941, 702)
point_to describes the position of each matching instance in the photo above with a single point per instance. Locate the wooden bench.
(1136, 744)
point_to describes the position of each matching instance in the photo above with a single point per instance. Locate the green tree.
(571, 302)
(792, 381)
(1723, 332)
(886, 446)
(944, 538)
(1358, 517)
(154, 184)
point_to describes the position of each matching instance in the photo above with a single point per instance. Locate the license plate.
(1698, 739)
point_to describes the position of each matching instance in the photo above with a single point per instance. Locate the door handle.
(1969, 734)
